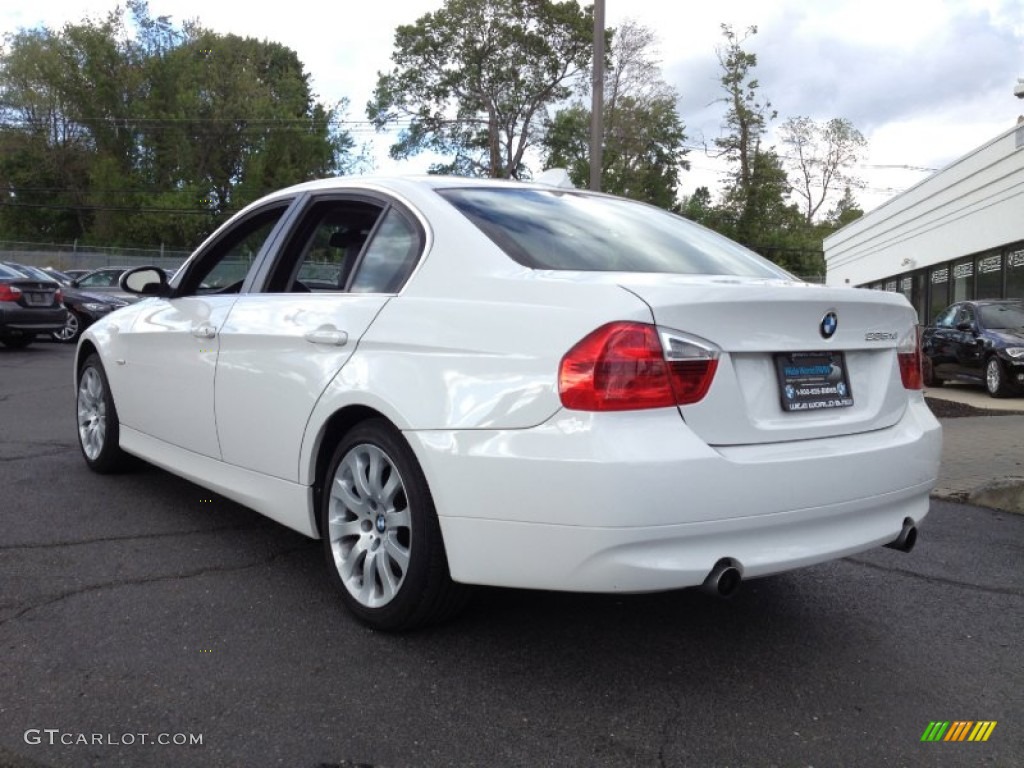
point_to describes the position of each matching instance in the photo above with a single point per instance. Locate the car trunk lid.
(774, 336)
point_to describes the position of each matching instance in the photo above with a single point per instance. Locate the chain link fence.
(64, 256)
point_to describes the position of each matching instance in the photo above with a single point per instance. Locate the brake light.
(626, 366)
(9, 292)
(908, 353)
(58, 296)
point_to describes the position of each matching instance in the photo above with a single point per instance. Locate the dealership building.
(957, 235)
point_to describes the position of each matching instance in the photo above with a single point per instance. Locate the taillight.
(626, 366)
(908, 353)
(9, 292)
(58, 296)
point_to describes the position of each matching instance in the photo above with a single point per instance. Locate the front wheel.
(381, 535)
(98, 426)
(995, 378)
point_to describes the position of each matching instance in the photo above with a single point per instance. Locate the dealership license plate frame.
(813, 381)
(38, 299)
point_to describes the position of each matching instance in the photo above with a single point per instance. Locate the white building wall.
(974, 204)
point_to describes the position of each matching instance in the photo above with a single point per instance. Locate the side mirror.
(965, 326)
(145, 281)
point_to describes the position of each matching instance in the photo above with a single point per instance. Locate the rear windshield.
(555, 229)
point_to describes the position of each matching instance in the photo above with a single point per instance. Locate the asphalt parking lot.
(142, 604)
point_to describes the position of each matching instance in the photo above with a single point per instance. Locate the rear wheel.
(995, 378)
(98, 426)
(381, 536)
(72, 329)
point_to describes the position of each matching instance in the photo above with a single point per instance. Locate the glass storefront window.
(938, 294)
(1015, 274)
(963, 280)
(989, 277)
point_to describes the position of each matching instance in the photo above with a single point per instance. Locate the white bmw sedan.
(455, 382)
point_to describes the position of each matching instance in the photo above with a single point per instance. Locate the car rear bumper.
(21, 320)
(633, 503)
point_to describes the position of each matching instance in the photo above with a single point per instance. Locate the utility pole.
(597, 102)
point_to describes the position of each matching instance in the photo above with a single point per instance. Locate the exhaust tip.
(907, 538)
(724, 579)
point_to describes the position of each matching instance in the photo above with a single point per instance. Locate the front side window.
(563, 230)
(104, 279)
(966, 315)
(225, 264)
(945, 320)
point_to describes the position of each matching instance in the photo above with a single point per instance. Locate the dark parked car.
(84, 307)
(977, 341)
(28, 306)
(73, 274)
(104, 280)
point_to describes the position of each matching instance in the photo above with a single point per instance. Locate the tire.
(17, 342)
(72, 329)
(995, 378)
(928, 372)
(381, 535)
(98, 426)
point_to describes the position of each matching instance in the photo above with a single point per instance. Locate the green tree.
(473, 80)
(151, 133)
(845, 211)
(819, 158)
(746, 117)
(643, 152)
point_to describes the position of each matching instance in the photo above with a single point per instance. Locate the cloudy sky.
(926, 81)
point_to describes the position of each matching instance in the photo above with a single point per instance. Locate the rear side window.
(555, 229)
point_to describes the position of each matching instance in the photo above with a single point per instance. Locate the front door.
(170, 352)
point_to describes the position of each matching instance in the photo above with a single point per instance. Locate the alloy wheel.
(70, 329)
(92, 414)
(369, 525)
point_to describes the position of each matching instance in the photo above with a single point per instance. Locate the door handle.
(327, 335)
(204, 331)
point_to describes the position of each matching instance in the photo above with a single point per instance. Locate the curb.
(1006, 495)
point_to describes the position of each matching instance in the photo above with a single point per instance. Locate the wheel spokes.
(369, 525)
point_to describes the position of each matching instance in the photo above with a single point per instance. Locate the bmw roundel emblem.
(829, 323)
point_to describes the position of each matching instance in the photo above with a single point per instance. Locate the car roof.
(400, 185)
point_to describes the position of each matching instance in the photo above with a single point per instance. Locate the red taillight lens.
(908, 353)
(623, 366)
(58, 296)
(9, 292)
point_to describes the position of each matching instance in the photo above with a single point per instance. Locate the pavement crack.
(136, 537)
(42, 450)
(149, 580)
(937, 579)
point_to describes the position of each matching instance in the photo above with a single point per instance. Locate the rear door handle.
(330, 336)
(204, 331)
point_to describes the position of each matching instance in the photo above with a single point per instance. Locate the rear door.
(345, 258)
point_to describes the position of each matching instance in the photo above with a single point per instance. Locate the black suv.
(977, 341)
